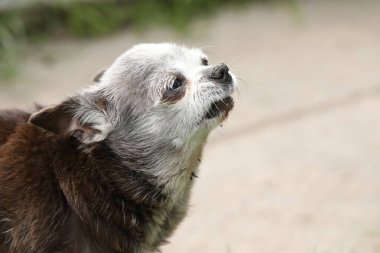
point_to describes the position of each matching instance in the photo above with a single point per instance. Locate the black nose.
(220, 72)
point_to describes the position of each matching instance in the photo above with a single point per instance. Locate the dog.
(110, 168)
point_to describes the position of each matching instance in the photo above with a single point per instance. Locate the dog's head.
(165, 91)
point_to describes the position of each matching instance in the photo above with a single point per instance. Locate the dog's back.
(9, 120)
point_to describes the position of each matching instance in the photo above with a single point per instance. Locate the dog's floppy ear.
(84, 120)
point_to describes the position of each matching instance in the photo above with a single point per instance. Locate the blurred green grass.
(39, 21)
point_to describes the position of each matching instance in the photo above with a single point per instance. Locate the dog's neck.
(158, 184)
(168, 164)
(128, 198)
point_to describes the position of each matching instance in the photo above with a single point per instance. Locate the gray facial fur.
(163, 136)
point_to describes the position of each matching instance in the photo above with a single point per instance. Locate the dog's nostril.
(220, 71)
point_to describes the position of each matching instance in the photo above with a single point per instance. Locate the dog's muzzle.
(219, 74)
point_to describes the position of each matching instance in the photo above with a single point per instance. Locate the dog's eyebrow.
(177, 74)
(180, 75)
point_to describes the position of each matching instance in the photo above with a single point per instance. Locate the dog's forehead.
(165, 54)
(141, 64)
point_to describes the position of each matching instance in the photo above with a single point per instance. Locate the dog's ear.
(75, 117)
(97, 78)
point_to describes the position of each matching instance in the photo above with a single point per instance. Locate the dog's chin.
(220, 109)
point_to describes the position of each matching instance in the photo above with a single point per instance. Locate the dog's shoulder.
(30, 195)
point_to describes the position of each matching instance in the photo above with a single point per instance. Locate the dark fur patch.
(101, 103)
(9, 120)
(54, 197)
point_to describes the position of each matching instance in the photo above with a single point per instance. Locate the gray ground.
(297, 167)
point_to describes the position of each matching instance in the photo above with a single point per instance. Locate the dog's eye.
(176, 84)
(204, 62)
(175, 92)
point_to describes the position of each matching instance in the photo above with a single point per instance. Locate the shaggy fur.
(110, 169)
(9, 120)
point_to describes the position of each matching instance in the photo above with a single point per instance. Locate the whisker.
(235, 58)
(204, 47)
(238, 93)
(237, 66)
(218, 130)
(244, 81)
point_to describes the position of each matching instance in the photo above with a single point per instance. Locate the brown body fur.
(56, 198)
(9, 120)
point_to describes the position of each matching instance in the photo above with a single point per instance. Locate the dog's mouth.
(223, 106)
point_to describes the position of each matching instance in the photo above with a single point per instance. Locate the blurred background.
(296, 168)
